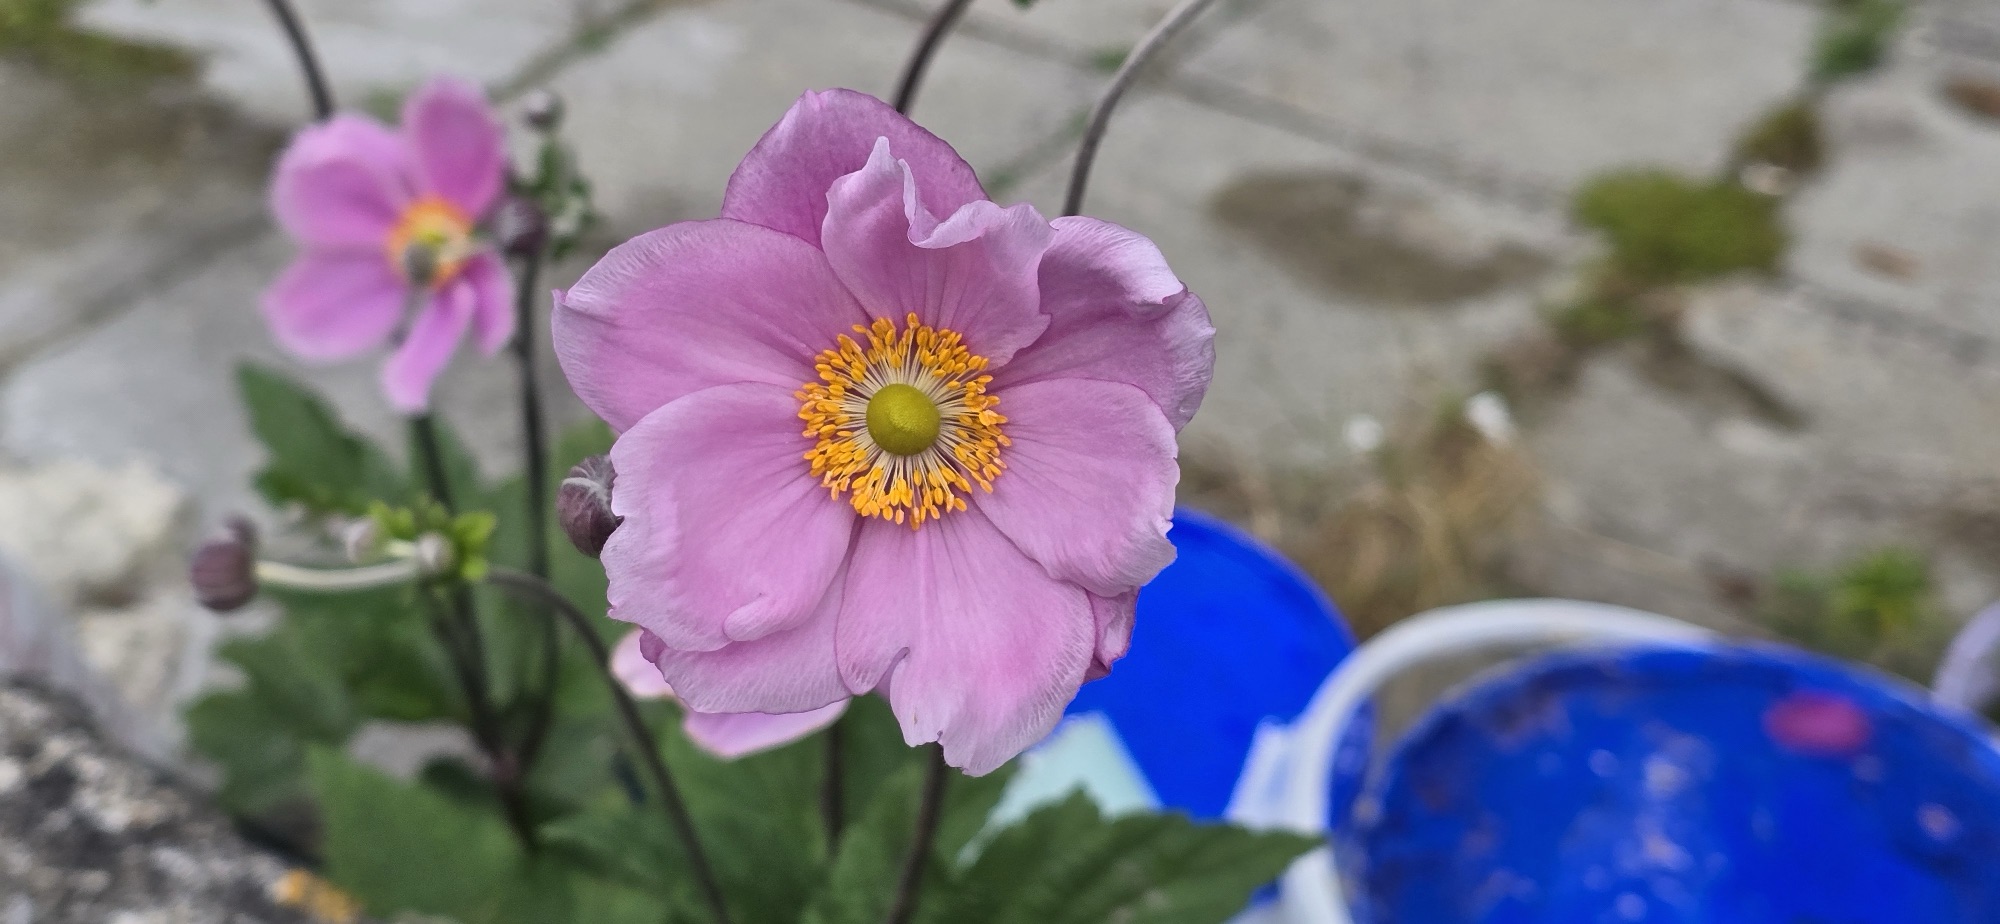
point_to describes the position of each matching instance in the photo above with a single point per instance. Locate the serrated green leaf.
(401, 847)
(862, 880)
(1066, 864)
(314, 460)
(760, 821)
(262, 757)
(873, 751)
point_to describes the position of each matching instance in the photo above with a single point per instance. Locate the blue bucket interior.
(1228, 636)
(1647, 787)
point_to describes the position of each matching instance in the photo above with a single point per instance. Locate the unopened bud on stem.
(583, 504)
(224, 569)
(542, 110)
(520, 226)
(361, 540)
(435, 555)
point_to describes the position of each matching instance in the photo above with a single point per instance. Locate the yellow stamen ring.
(903, 425)
(430, 242)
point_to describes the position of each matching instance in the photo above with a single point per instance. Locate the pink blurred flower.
(987, 464)
(386, 220)
(725, 735)
(1818, 724)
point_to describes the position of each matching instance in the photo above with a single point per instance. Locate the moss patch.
(39, 33)
(1787, 137)
(1880, 607)
(1854, 38)
(1666, 229)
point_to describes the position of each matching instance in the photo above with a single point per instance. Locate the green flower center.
(903, 420)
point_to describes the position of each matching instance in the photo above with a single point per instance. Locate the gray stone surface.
(91, 836)
(110, 190)
(1538, 93)
(662, 115)
(1912, 172)
(1339, 286)
(371, 48)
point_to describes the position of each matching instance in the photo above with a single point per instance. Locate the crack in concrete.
(192, 253)
(591, 35)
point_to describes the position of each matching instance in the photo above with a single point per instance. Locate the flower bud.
(542, 110)
(224, 569)
(361, 540)
(583, 504)
(520, 226)
(435, 555)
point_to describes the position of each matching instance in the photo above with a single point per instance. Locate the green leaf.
(865, 872)
(314, 461)
(1066, 864)
(401, 847)
(872, 751)
(262, 757)
(760, 821)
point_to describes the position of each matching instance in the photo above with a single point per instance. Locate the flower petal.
(730, 735)
(343, 183)
(635, 671)
(974, 272)
(461, 148)
(427, 348)
(981, 647)
(1118, 313)
(782, 182)
(791, 670)
(1089, 486)
(331, 305)
(1114, 630)
(694, 305)
(492, 300)
(727, 536)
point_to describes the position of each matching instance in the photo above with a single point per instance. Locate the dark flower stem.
(525, 584)
(1169, 26)
(833, 786)
(928, 811)
(302, 48)
(458, 628)
(927, 46)
(534, 468)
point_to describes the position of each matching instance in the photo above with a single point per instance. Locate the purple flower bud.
(520, 226)
(224, 570)
(542, 110)
(583, 504)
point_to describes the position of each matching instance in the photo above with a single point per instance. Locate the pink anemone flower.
(386, 220)
(725, 735)
(878, 433)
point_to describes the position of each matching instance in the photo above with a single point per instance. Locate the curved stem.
(302, 48)
(534, 470)
(1100, 115)
(525, 584)
(928, 812)
(294, 577)
(458, 627)
(927, 46)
